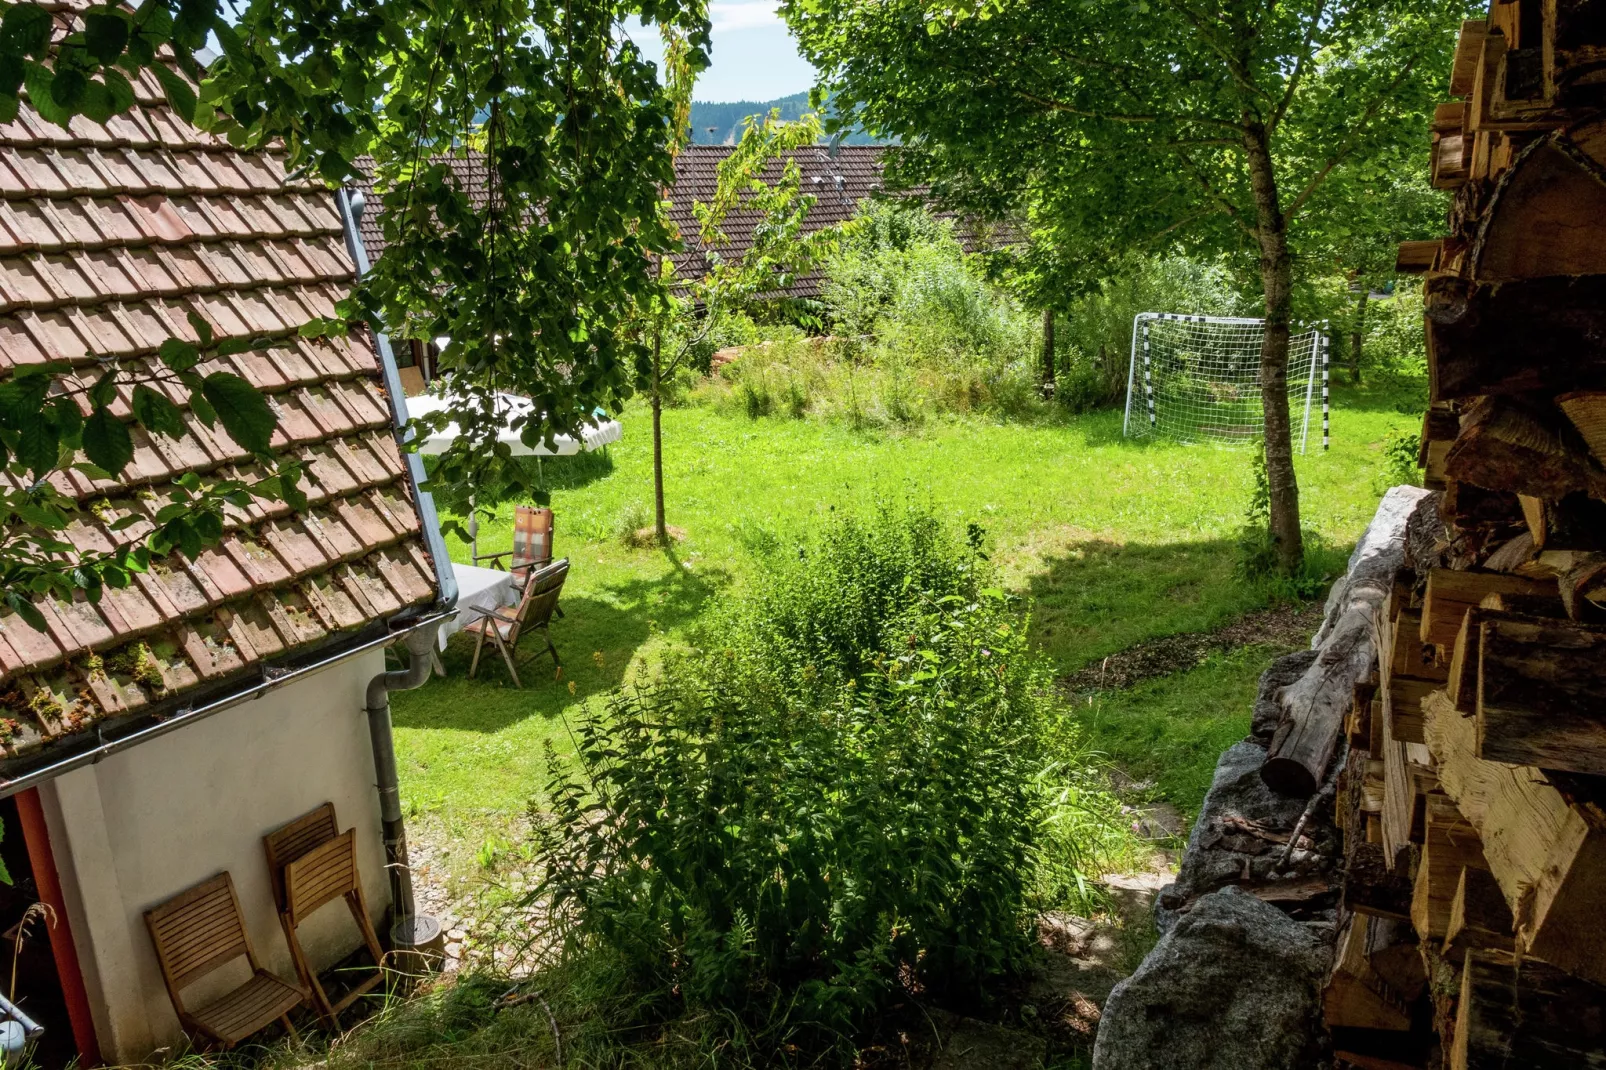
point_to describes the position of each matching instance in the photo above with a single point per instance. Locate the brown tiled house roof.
(837, 183)
(110, 236)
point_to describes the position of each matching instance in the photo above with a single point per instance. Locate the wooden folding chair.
(326, 870)
(532, 545)
(534, 613)
(197, 932)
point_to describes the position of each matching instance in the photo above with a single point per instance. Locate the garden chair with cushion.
(196, 933)
(534, 613)
(532, 545)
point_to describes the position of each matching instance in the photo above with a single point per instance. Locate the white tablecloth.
(479, 590)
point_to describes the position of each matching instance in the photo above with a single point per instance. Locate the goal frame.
(1319, 360)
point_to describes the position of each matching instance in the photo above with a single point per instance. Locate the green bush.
(916, 330)
(846, 793)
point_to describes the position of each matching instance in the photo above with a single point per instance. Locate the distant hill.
(721, 123)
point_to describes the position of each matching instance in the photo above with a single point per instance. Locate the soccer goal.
(1197, 379)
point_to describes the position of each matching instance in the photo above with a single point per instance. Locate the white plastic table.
(479, 590)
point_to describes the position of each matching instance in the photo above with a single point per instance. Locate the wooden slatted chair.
(199, 931)
(324, 873)
(289, 842)
(534, 613)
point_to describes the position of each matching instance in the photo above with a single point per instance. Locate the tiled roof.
(837, 183)
(110, 236)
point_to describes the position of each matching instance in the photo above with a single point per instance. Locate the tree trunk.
(1048, 352)
(1358, 333)
(660, 527)
(1276, 275)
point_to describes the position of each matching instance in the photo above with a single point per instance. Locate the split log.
(1544, 334)
(1587, 411)
(1313, 706)
(1522, 1013)
(1356, 997)
(1547, 852)
(1462, 687)
(1450, 845)
(1409, 654)
(1391, 948)
(1402, 704)
(1543, 218)
(1479, 916)
(1521, 448)
(1541, 696)
(1468, 47)
(1468, 505)
(1416, 257)
(1525, 605)
(1440, 425)
(1452, 592)
(1374, 886)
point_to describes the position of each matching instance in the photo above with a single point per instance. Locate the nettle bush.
(840, 797)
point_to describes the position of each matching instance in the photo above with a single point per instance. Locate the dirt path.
(1283, 627)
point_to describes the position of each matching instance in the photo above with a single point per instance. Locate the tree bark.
(660, 527)
(1358, 333)
(1048, 352)
(1276, 275)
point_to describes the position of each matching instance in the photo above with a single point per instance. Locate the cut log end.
(1288, 777)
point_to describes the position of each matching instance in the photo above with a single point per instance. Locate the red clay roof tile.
(111, 235)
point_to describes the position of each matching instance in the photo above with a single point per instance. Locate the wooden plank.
(1547, 852)
(1541, 696)
(1526, 1014)
(1451, 593)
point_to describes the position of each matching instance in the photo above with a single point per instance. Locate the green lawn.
(1114, 541)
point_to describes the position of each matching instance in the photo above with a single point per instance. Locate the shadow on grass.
(597, 638)
(1093, 597)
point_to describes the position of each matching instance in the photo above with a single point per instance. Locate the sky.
(754, 58)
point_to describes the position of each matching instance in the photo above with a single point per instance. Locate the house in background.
(150, 740)
(839, 181)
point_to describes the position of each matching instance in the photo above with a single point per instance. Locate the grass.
(1115, 542)
(1169, 731)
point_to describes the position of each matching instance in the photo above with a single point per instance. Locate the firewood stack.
(1473, 796)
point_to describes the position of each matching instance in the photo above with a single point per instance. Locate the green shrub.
(857, 786)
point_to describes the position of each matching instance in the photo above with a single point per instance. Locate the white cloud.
(730, 15)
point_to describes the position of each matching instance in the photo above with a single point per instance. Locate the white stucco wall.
(151, 821)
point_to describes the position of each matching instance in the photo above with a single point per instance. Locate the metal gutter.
(425, 503)
(273, 677)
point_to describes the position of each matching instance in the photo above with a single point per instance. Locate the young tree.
(782, 249)
(1140, 126)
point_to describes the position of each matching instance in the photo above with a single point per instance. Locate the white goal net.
(1197, 379)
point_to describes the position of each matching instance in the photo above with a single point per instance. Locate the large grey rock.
(1235, 985)
(1241, 835)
